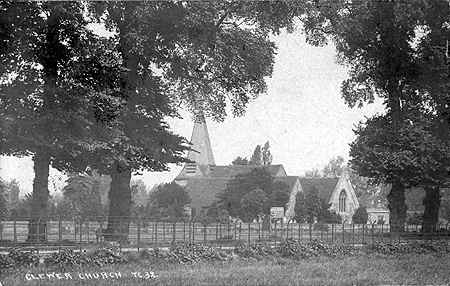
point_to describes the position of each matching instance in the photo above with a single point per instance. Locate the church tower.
(201, 153)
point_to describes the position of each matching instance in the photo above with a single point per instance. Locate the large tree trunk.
(397, 207)
(37, 223)
(432, 202)
(119, 203)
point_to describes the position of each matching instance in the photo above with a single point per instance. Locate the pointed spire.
(202, 152)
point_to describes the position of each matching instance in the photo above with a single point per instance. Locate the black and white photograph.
(233, 143)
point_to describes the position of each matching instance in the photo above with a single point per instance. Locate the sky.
(302, 115)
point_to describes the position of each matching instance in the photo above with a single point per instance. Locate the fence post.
(88, 229)
(184, 231)
(353, 233)
(164, 232)
(240, 230)
(310, 232)
(59, 229)
(81, 230)
(217, 232)
(287, 230)
(363, 233)
(332, 232)
(275, 229)
(156, 232)
(204, 233)
(193, 232)
(343, 232)
(299, 232)
(15, 229)
(259, 231)
(248, 233)
(138, 233)
(371, 234)
(174, 232)
(74, 230)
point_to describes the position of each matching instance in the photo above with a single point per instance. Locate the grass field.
(359, 270)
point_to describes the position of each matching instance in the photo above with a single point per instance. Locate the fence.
(146, 233)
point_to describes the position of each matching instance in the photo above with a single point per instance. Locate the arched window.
(342, 201)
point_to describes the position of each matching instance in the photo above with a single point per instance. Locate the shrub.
(360, 216)
(414, 219)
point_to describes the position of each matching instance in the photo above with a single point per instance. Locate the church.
(204, 180)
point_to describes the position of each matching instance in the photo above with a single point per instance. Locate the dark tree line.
(71, 99)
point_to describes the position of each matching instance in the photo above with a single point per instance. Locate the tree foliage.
(240, 161)
(168, 201)
(396, 50)
(3, 200)
(257, 156)
(310, 208)
(276, 192)
(253, 204)
(266, 154)
(360, 216)
(82, 195)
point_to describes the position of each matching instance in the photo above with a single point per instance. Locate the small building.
(337, 191)
(377, 215)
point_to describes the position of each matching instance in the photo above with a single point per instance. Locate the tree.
(276, 192)
(12, 193)
(330, 216)
(23, 208)
(242, 184)
(253, 204)
(168, 201)
(334, 168)
(419, 161)
(360, 216)
(375, 41)
(433, 85)
(82, 194)
(240, 161)
(280, 194)
(256, 158)
(314, 173)
(189, 54)
(139, 198)
(266, 155)
(3, 201)
(51, 73)
(300, 208)
(308, 206)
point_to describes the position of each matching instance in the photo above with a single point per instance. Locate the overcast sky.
(302, 115)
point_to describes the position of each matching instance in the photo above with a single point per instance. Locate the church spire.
(202, 152)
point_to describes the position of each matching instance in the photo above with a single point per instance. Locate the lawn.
(423, 269)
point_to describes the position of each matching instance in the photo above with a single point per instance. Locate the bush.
(422, 247)
(360, 216)
(414, 219)
(331, 217)
(320, 226)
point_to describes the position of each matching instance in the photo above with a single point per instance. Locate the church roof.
(234, 170)
(201, 152)
(204, 191)
(325, 186)
(288, 180)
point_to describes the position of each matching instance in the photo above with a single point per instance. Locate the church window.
(342, 201)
